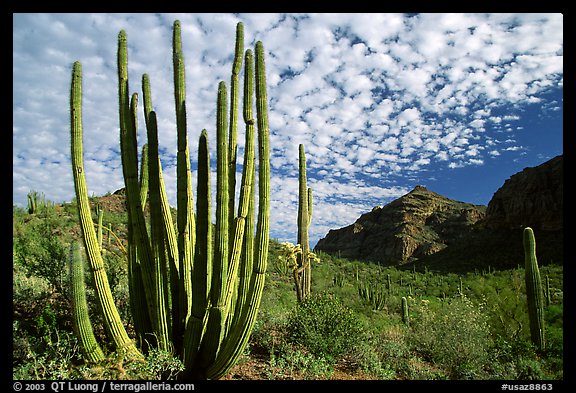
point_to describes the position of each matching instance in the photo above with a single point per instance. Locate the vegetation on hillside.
(462, 326)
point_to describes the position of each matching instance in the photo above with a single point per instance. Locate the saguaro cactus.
(534, 293)
(405, 316)
(189, 294)
(80, 318)
(303, 270)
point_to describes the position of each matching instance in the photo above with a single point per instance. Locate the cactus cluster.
(339, 279)
(373, 294)
(195, 289)
(37, 202)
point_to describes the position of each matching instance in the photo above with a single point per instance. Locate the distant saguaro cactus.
(405, 316)
(534, 293)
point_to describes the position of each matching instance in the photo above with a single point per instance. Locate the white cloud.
(370, 95)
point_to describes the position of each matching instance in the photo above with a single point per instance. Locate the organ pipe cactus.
(32, 202)
(195, 290)
(80, 318)
(534, 293)
(373, 294)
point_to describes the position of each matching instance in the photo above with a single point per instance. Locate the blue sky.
(382, 102)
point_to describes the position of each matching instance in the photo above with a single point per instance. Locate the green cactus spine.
(80, 318)
(187, 294)
(534, 293)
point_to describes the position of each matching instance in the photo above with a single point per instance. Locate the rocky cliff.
(532, 197)
(425, 228)
(419, 223)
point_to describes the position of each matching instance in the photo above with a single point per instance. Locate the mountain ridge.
(425, 228)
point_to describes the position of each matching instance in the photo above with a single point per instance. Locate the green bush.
(50, 356)
(454, 334)
(324, 326)
(295, 363)
(38, 248)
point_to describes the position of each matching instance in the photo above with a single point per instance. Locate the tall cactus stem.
(80, 317)
(237, 339)
(310, 203)
(303, 276)
(128, 147)
(202, 271)
(233, 123)
(144, 176)
(185, 218)
(110, 313)
(100, 217)
(534, 293)
(217, 319)
(248, 181)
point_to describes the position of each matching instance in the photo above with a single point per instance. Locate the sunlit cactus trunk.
(534, 293)
(189, 294)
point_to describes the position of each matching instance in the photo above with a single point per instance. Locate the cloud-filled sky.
(382, 102)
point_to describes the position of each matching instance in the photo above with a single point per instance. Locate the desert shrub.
(38, 249)
(49, 356)
(324, 326)
(454, 334)
(292, 362)
(380, 356)
(159, 364)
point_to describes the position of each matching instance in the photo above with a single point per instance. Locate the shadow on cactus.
(189, 294)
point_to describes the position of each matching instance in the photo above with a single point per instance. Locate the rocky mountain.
(424, 228)
(417, 224)
(532, 197)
